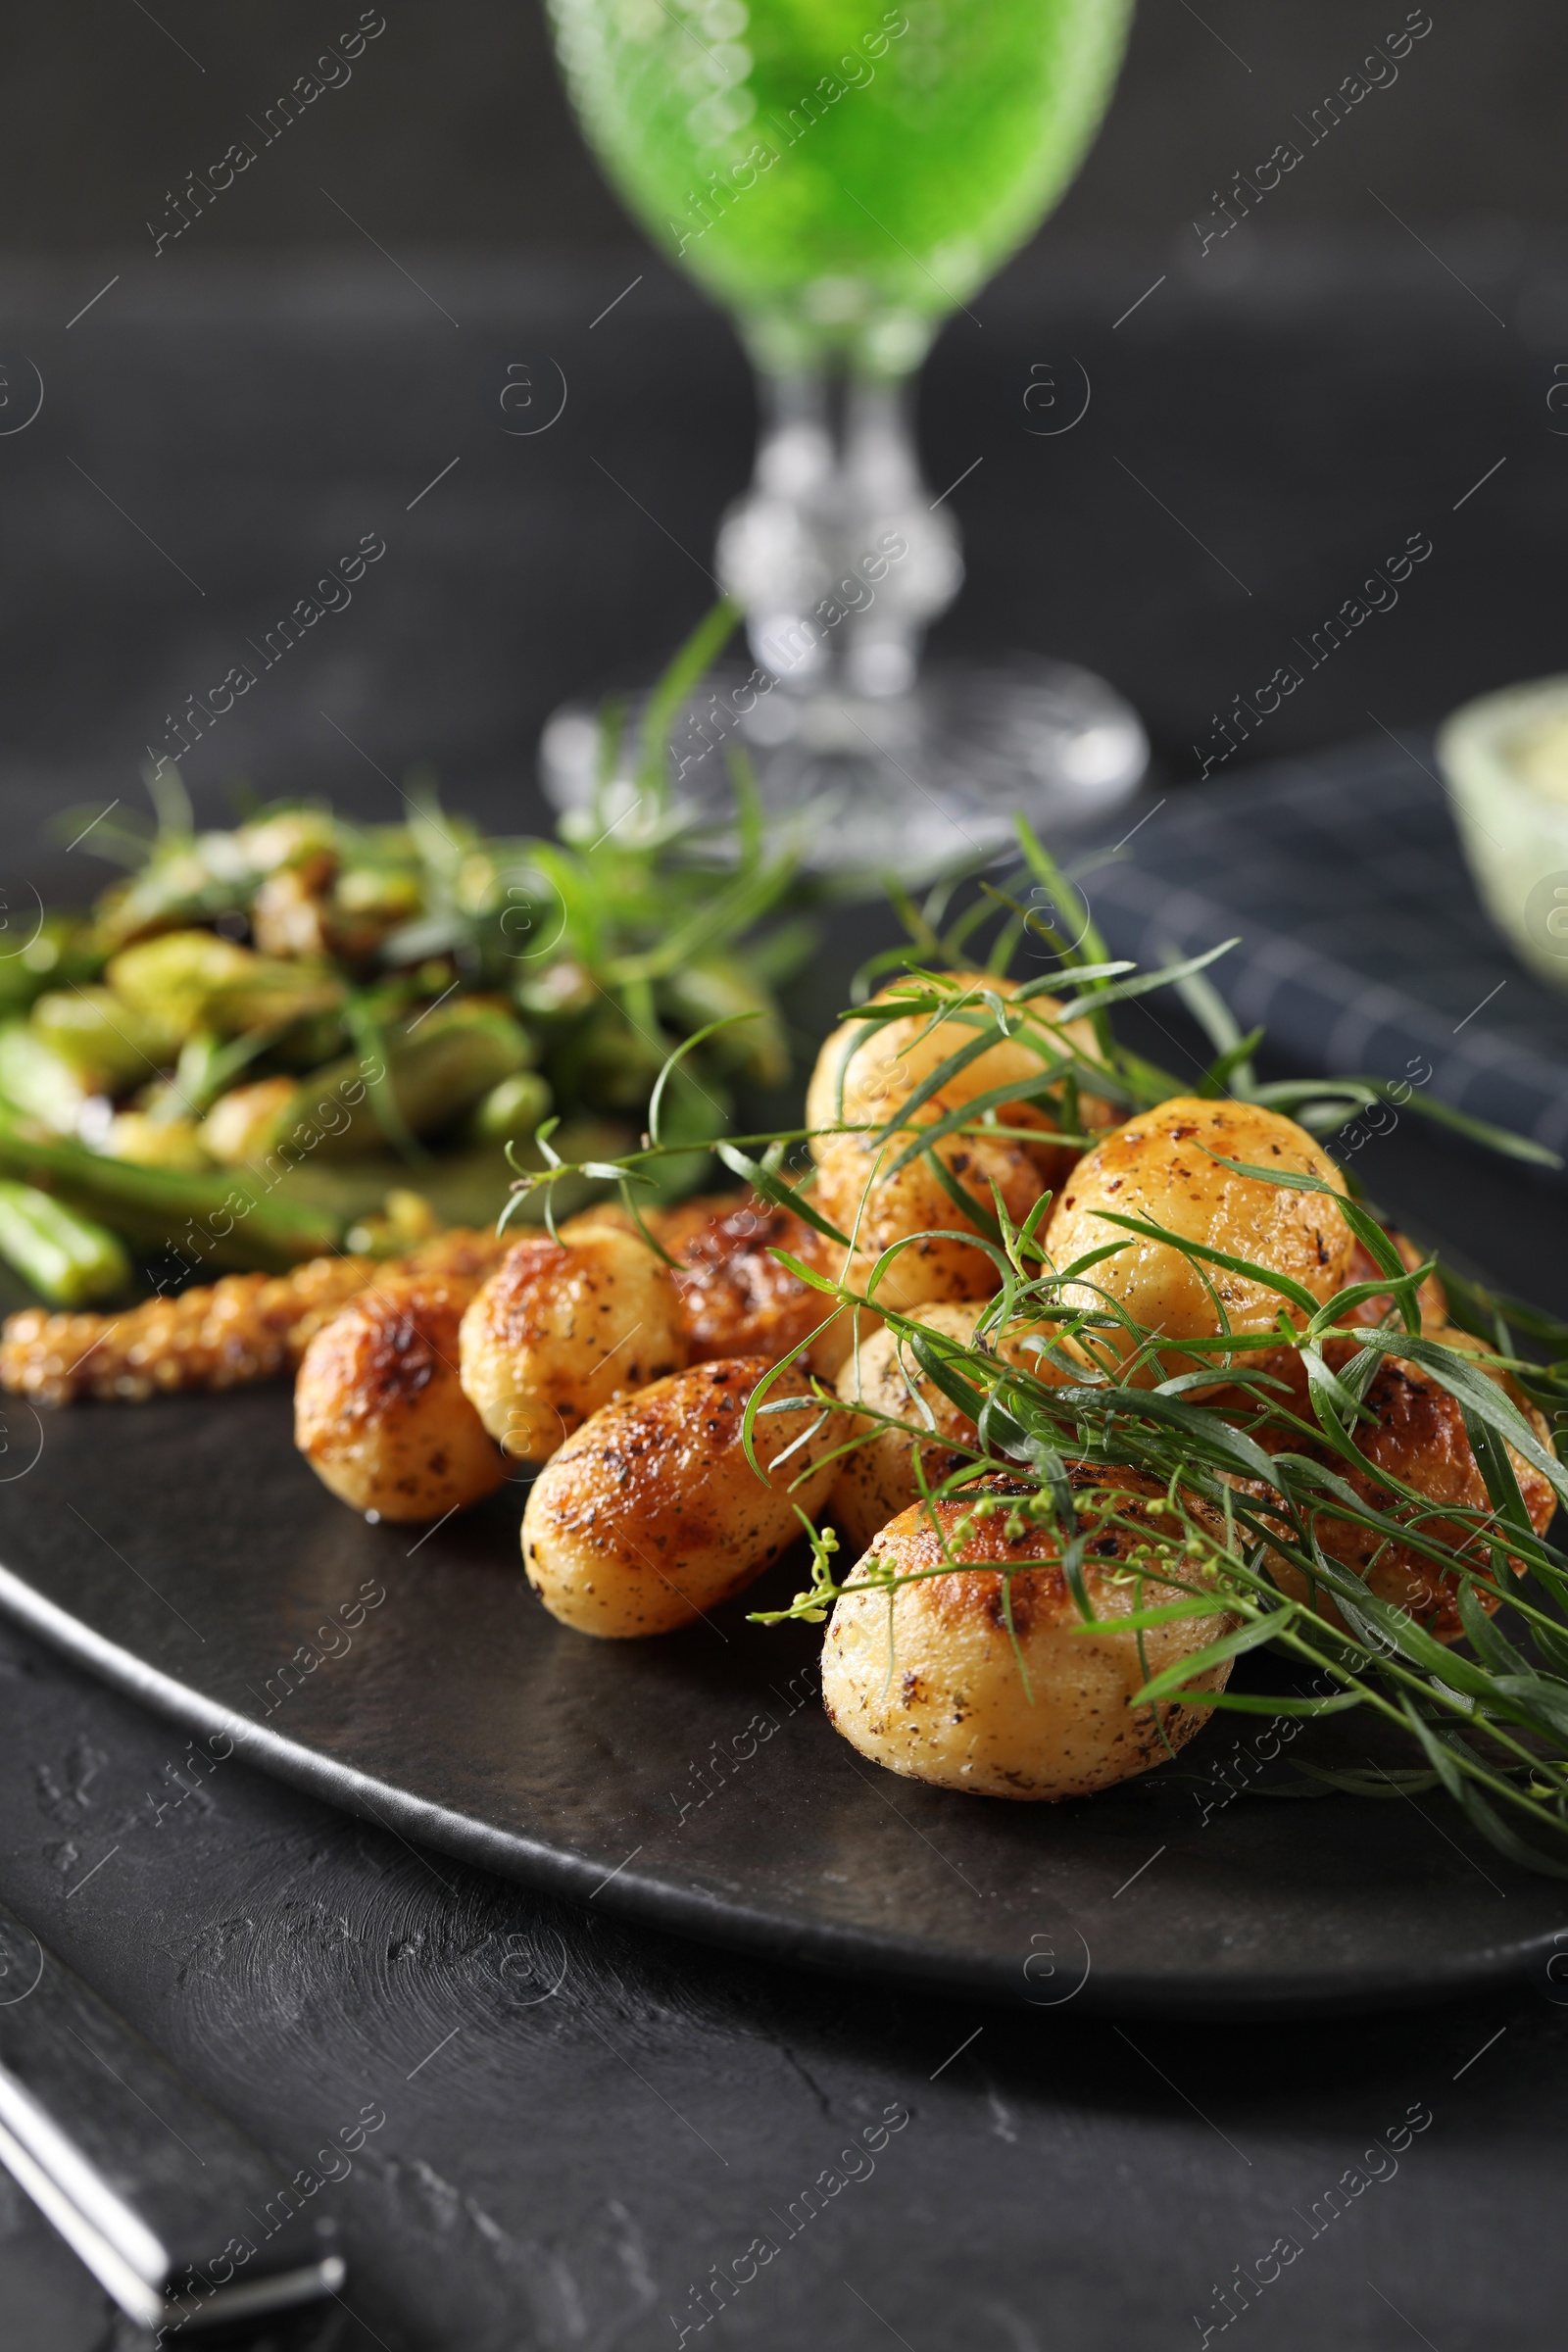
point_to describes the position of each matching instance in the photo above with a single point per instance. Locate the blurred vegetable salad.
(306, 1033)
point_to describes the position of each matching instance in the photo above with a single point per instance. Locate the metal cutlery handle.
(183, 2221)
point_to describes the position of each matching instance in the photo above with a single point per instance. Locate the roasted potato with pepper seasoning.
(379, 1412)
(652, 1513)
(878, 1069)
(1162, 1168)
(735, 1298)
(1417, 1434)
(1285, 1363)
(562, 1328)
(931, 1683)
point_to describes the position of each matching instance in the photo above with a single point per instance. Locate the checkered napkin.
(1363, 945)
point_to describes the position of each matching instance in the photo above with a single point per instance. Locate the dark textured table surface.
(582, 2119)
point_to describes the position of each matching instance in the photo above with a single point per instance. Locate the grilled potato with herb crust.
(378, 1411)
(563, 1328)
(652, 1513)
(931, 1683)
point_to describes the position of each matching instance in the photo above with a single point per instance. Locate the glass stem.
(835, 553)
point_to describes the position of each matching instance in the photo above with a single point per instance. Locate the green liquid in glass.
(837, 174)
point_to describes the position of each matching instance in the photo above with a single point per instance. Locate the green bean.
(712, 988)
(230, 1219)
(435, 1072)
(68, 1260)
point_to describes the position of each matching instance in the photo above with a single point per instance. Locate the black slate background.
(569, 2162)
(1300, 408)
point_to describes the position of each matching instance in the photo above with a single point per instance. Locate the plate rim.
(857, 1952)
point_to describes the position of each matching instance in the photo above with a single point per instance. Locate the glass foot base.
(907, 785)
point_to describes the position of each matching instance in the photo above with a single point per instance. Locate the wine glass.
(841, 176)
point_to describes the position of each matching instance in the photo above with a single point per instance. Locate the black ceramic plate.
(182, 1551)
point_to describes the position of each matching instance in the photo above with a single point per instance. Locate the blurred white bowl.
(1506, 758)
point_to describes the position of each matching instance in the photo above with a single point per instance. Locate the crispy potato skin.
(955, 1710)
(735, 1298)
(1158, 1167)
(880, 1069)
(561, 1329)
(652, 1512)
(1420, 1438)
(378, 1411)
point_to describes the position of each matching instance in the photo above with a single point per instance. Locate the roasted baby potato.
(1416, 1433)
(652, 1513)
(878, 1068)
(931, 1683)
(561, 1329)
(1163, 1167)
(378, 1411)
(735, 1298)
